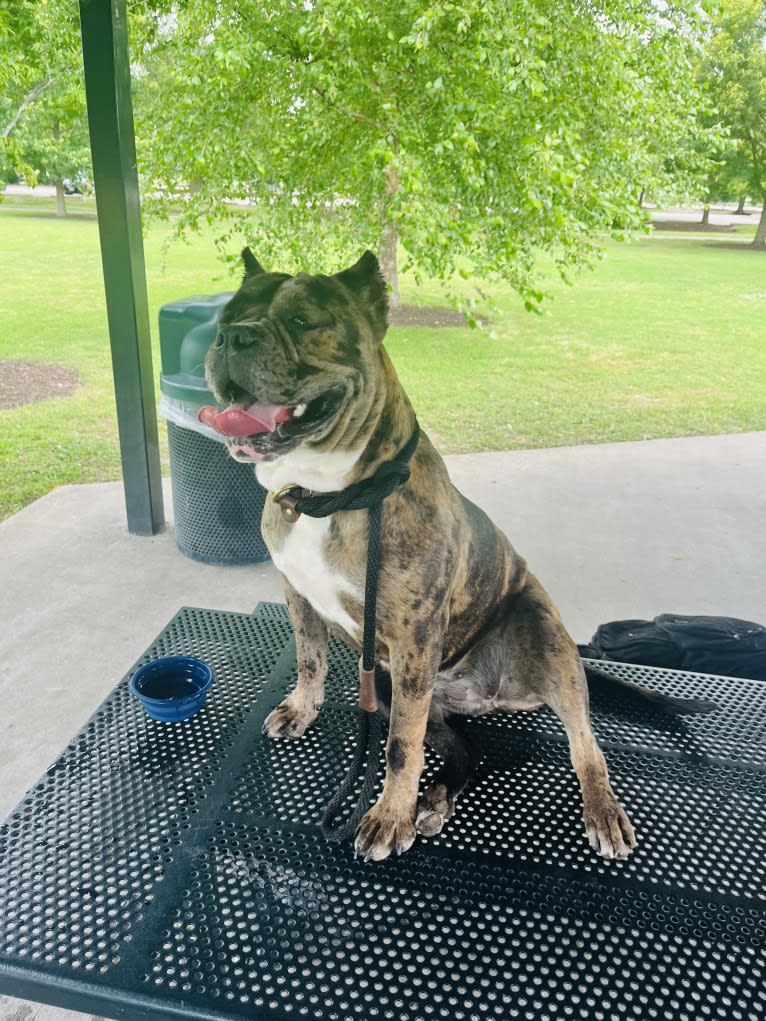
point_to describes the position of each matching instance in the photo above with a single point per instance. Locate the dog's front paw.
(434, 809)
(289, 719)
(381, 832)
(608, 827)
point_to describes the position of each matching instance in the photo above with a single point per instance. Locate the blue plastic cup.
(172, 688)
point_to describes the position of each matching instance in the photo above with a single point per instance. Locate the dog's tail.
(634, 695)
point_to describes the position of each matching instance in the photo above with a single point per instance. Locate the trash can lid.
(184, 386)
(187, 329)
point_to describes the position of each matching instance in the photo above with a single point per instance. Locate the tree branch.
(353, 114)
(26, 101)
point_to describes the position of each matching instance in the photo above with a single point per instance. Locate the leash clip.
(288, 502)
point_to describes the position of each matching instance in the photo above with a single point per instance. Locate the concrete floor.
(613, 531)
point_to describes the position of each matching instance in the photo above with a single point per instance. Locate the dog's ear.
(366, 283)
(252, 266)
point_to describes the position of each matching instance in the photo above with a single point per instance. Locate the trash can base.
(218, 503)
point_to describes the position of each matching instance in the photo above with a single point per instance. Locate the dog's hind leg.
(459, 752)
(299, 710)
(461, 757)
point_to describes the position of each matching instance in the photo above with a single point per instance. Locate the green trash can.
(217, 502)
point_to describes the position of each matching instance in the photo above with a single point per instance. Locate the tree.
(727, 177)
(734, 71)
(475, 134)
(43, 125)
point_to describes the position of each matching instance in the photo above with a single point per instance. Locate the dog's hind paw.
(434, 809)
(289, 720)
(608, 827)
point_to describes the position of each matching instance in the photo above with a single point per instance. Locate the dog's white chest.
(301, 560)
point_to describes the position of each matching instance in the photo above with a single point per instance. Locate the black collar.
(295, 500)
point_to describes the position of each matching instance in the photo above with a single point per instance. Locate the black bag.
(708, 645)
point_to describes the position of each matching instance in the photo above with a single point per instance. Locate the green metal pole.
(104, 30)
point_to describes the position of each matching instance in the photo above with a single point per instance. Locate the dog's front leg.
(390, 824)
(299, 710)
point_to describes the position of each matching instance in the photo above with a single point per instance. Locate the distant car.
(78, 185)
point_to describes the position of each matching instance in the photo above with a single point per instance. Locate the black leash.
(370, 494)
(370, 731)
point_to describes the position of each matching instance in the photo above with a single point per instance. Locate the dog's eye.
(459, 675)
(300, 322)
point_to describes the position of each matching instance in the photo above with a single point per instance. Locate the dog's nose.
(237, 336)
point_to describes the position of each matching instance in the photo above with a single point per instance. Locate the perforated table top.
(177, 870)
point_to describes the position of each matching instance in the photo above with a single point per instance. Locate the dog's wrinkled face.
(292, 355)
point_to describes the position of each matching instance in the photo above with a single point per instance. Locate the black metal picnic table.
(165, 871)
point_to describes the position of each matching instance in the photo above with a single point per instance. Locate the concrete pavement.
(613, 531)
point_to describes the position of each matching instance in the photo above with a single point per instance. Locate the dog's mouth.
(256, 430)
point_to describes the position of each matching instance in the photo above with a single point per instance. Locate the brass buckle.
(287, 501)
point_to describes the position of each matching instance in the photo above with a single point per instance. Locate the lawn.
(663, 338)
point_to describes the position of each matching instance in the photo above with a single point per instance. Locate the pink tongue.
(239, 422)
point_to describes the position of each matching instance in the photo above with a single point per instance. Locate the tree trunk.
(388, 263)
(759, 241)
(741, 206)
(60, 199)
(705, 215)
(389, 240)
(641, 197)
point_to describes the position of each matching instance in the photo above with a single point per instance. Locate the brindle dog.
(315, 402)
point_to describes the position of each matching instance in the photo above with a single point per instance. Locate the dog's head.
(293, 355)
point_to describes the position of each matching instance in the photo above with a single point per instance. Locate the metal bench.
(171, 871)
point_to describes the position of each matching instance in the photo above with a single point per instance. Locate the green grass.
(663, 338)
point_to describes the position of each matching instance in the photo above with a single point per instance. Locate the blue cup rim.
(202, 670)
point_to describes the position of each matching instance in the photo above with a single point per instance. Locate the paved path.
(720, 216)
